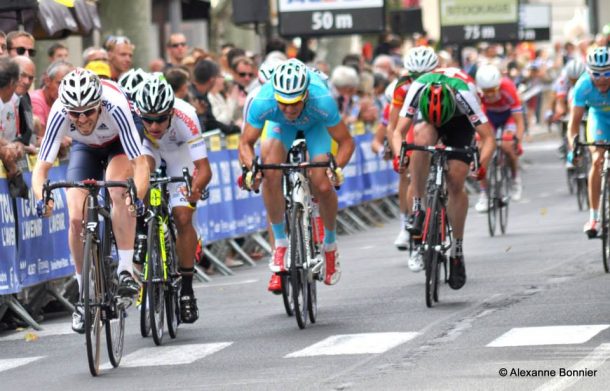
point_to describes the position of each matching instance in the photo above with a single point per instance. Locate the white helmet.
(265, 71)
(154, 96)
(420, 59)
(574, 68)
(488, 76)
(131, 80)
(290, 81)
(80, 88)
(598, 59)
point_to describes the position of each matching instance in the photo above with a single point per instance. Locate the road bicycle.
(437, 234)
(498, 186)
(306, 257)
(160, 293)
(103, 308)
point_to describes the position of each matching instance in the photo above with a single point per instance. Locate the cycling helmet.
(598, 59)
(574, 68)
(488, 76)
(154, 96)
(131, 80)
(80, 88)
(290, 81)
(265, 71)
(436, 104)
(420, 59)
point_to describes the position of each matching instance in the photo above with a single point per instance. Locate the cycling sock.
(79, 280)
(403, 221)
(416, 204)
(330, 235)
(279, 230)
(125, 262)
(456, 249)
(187, 281)
(593, 214)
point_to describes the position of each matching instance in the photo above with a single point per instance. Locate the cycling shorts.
(458, 133)
(318, 139)
(596, 130)
(504, 119)
(174, 161)
(87, 162)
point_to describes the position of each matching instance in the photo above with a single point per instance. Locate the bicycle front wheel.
(298, 266)
(93, 297)
(115, 311)
(287, 294)
(154, 282)
(503, 200)
(431, 255)
(492, 196)
(172, 293)
(605, 223)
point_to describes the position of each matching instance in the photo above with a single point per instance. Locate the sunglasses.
(159, 120)
(177, 44)
(598, 75)
(87, 113)
(21, 51)
(245, 74)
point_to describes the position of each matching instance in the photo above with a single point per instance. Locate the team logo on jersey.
(103, 126)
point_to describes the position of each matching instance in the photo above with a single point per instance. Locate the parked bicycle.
(103, 308)
(305, 258)
(437, 234)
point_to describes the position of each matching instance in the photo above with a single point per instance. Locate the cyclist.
(450, 112)
(417, 61)
(131, 80)
(591, 90)
(172, 134)
(296, 99)
(96, 116)
(564, 87)
(503, 108)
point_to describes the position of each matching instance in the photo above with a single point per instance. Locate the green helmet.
(437, 103)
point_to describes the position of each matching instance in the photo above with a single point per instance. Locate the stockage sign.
(330, 17)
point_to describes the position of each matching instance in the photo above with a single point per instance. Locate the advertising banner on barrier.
(8, 243)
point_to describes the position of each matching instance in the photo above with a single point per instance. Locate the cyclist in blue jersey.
(591, 90)
(296, 100)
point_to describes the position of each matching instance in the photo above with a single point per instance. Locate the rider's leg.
(186, 244)
(425, 134)
(457, 207)
(76, 202)
(595, 182)
(274, 152)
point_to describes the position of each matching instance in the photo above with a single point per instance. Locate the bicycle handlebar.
(185, 178)
(89, 185)
(471, 152)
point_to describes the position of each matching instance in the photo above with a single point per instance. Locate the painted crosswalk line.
(10, 363)
(548, 335)
(369, 343)
(170, 355)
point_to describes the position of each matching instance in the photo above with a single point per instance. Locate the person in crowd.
(384, 65)
(20, 43)
(177, 49)
(275, 44)
(58, 51)
(120, 55)
(178, 79)
(11, 143)
(3, 49)
(224, 98)
(93, 53)
(156, 65)
(345, 81)
(27, 74)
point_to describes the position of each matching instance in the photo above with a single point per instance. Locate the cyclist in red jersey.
(503, 108)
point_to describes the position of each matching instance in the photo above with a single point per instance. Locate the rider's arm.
(246, 144)
(141, 175)
(345, 143)
(468, 104)
(488, 142)
(201, 179)
(39, 177)
(520, 122)
(576, 114)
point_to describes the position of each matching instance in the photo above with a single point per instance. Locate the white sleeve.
(189, 131)
(411, 104)
(468, 104)
(128, 133)
(57, 127)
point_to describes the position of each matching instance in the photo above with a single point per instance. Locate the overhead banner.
(473, 21)
(330, 17)
(535, 22)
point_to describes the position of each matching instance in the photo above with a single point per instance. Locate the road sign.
(535, 22)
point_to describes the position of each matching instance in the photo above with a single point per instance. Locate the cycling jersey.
(115, 123)
(459, 74)
(466, 102)
(319, 113)
(180, 146)
(598, 122)
(400, 90)
(562, 86)
(500, 109)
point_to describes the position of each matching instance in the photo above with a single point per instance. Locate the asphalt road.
(535, 308)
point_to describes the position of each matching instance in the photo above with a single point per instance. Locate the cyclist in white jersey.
(172, 133)
(96, 115)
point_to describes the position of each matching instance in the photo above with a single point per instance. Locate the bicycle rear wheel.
(431, 255)
(93, 296)
(172, 293)
(115, 311)
(144, 313)
(298, 266)
(154, 282)
(312, 299)
(605, 223)
(492, 194)
(287, 294)
(503, 200)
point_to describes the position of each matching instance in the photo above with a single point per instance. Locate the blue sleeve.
(580, 94)
(329, 106)
(254, 113)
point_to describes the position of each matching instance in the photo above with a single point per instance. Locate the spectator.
(355, 61)
(243, 72)
(177, 48)
(57, 51)
(232, 55)
(275, 44)
(93, 53)
(156, 65)
(20, 43)
(178, 78)
(12, 149)
(120, 55)
(345, 81)
(384, 65)
(224, 59)
(224, 97)
(3, 51)
(25, 121)
(43, 98)
(204, 77)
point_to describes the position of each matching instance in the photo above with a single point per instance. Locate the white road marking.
(369, 343)
(10, 363)
(212, 285)
(170, 355)
(48, 329)
(594, 360)
(550, 335)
